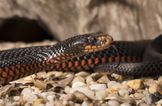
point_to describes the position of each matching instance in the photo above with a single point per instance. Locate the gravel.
(79, 89)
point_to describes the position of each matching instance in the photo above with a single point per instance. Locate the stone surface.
(121, 19)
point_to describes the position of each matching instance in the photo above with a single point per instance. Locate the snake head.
(88, 43)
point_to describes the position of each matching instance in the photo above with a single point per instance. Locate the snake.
(89, 52)
(20, 62)
(140, 58)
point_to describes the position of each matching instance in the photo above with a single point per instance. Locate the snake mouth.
(104, 41)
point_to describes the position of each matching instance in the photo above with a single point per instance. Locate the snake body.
(21, 62)
(130, 58)
(87, 52)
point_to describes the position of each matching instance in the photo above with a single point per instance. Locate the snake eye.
(93, 40)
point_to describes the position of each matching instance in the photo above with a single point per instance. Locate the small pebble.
(123, 92)
(153, 88)
(159, 102)
(80, 96)
(89, 80)
(67, 89)
(135, 84)
(82, 74)
(67, 97)
(113, 83)
(39, 102)
(78, 84)
(40, 84)
(2, 103)
(28, 95)
(51, 98)
(113, 87)
(78, 79)
(125, 104)
(103, 80)
(138, 95)
(97, 87)
(86, 91)
(148, 99)
(100, 95)
(113, 103)
(85, 103)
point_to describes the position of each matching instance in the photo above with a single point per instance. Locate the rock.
(100, 95)
(40, 84)
(86, 91)
(160, 79)
(2, 103)
(28, 95)
(113, 87)
(80, 96)
(148, 99)
(117, 77)
(104, 79)
(138, 95)
(124, 92)
(89, 80)
(113, 83)
(67, 89)
(78, 79)
(159, 103)
(58, 74)
(135, 84)
(39, 102)
(85, 103)
(16, 98)
(113, 103)
(51, 98)
(78, 84)
(66, 81)
(82, 74)
(98, 87)
(125, 104)
(153, 88)
(68, 97)
(45, 94)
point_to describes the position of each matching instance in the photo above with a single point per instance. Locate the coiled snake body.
(95, 51)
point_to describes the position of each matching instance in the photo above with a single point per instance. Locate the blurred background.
(38, 20)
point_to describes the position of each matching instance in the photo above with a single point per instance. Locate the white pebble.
(26, 91)
(2, 103)
(123, 92)
(50, 98)
(78, 79)
(98, 87)
(86, 91)
(113, 103)
(148, 99)
(89, 80)
(85, 103)
(28, 95)
(100, 95)
(45, 94)
(125, 104)
(78, 84)
(16, 98)
(113, 83)
(67, 89)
